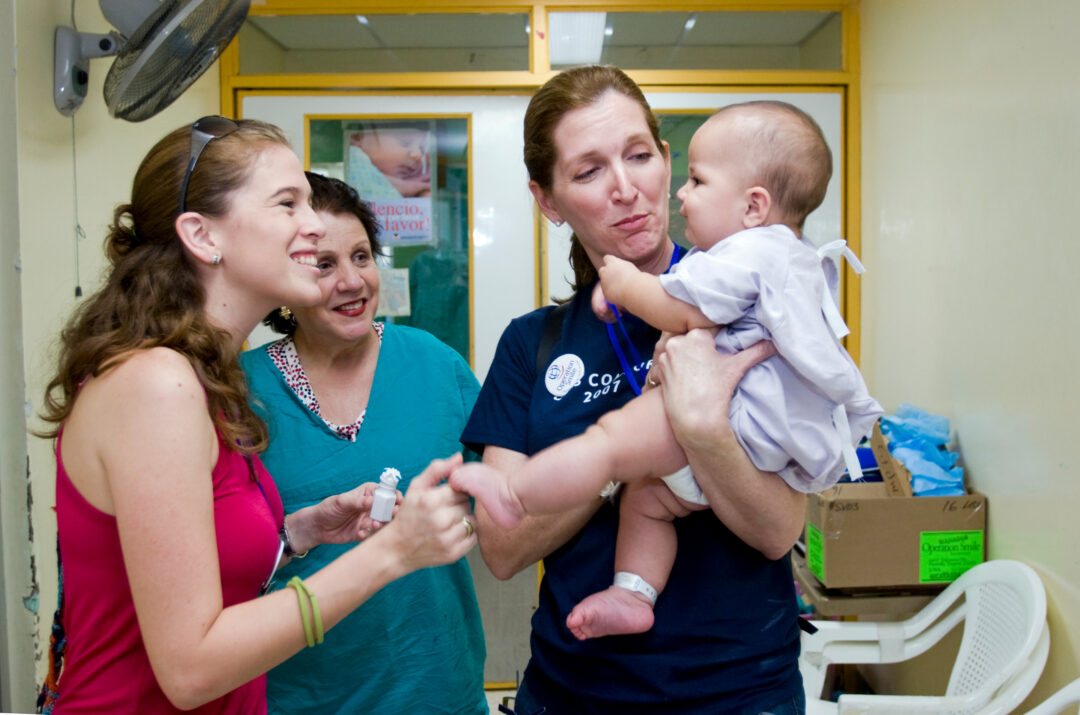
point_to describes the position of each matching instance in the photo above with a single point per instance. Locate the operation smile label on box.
(857, 536)
(945, 555)
(815, 559)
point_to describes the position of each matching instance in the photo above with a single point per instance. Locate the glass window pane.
(676, 128)
(796, 39)
(414, 172)
(319, 44)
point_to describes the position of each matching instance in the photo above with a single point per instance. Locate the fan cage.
(168, 52)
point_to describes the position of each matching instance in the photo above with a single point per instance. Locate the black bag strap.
(552, 332)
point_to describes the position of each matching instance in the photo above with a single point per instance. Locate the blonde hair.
(787, 154)
(152, 295)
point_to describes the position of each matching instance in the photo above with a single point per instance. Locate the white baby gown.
(766, 283)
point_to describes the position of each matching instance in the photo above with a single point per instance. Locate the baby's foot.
(615, 611)
(492, 489)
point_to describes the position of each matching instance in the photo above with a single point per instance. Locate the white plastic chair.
(1069, 695)
(1002, 605)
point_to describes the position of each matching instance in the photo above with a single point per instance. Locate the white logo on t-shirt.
(564, 374)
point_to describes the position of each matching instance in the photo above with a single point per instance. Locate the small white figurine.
(382, 508)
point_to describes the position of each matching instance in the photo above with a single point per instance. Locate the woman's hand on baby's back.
(690, 367)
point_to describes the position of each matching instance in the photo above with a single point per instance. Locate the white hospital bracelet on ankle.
(633, 582)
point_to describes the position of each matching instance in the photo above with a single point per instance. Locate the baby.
(401, 153)
(756, 170)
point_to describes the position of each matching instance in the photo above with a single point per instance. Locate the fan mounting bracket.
(72, 52)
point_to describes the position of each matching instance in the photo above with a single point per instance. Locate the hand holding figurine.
(429, 528)
(339, 519)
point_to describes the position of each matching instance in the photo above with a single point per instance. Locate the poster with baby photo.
(390, 163)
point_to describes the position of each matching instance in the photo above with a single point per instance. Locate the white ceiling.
(629, 29)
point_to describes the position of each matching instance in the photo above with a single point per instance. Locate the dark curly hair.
(332, 196)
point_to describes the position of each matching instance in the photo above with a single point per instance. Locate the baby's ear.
(758, 207)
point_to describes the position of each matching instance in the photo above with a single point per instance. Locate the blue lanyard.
(614, 339)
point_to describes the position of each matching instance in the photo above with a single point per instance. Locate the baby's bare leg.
(626, 445)
(646, 548)
(647, 543)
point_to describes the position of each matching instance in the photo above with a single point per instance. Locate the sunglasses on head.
(203, 132)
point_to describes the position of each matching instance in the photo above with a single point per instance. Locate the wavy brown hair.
(569, 90)
(152, 295)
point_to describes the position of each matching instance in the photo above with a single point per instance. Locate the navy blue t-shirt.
(725, 638)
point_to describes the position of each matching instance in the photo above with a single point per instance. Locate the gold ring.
(468, 526)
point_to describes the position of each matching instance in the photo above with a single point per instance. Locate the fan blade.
(168, 52)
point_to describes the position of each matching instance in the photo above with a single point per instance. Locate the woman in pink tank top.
(168, 523)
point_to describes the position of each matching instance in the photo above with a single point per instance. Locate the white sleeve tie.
(833, 251)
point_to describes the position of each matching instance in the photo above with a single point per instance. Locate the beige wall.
(108, 151)
(971, 138)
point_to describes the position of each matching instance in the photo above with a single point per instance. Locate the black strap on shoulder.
(552, 332)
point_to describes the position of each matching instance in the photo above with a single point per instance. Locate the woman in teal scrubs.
(345, 398)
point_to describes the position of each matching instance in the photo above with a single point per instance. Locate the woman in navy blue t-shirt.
(725, 637)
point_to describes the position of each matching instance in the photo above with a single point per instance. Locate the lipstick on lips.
(352, 309)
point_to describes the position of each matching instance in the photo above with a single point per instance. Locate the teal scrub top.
(417, 645)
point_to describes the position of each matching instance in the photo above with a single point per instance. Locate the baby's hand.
(600, 306)
(615, 276)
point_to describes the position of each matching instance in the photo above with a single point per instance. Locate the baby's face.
(714, 198)
(398, 153)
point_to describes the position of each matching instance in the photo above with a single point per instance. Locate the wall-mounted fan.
(161, 48)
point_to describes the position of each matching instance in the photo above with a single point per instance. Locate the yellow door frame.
(234, 84)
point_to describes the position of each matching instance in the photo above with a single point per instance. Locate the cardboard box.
(857, 536)
(894, 474)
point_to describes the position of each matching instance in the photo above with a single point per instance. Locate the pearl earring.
(559, 223)
(215, 259)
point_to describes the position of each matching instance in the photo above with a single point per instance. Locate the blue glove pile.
(918, 438)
